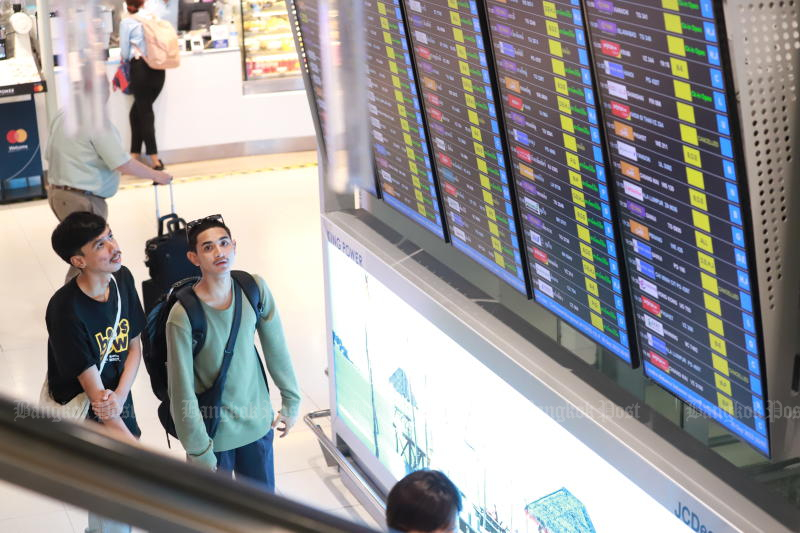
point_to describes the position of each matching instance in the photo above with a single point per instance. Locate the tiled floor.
(274, 217)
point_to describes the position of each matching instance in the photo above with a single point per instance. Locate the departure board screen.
(550, 109)
(399, 143)
(459, 103)
(667, 112)
(307, 16)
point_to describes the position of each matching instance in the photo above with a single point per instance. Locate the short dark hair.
(425, 500)
(75, 231)
(134, 5)
(193, 232)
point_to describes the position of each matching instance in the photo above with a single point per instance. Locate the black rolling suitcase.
(165, 255)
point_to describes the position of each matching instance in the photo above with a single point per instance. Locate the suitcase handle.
(172, 223)
(158, 208)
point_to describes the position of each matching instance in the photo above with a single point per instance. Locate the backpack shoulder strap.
(197, 317)
(250, 289)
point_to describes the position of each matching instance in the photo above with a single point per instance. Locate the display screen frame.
(522, 286)
(744, 192)
(633, 352)
(310, 86)
(441, 230)
(732, 106)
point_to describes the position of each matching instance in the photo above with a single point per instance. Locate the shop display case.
(268, 49)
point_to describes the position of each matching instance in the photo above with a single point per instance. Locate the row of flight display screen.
(586, 153)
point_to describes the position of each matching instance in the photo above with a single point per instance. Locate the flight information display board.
(399, 143)
(307, 16)
(667, 111)
(459, 103)
(550, 109)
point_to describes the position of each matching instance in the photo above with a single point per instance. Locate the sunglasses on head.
(190, 226)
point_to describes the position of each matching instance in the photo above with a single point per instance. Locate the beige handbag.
(77, 408)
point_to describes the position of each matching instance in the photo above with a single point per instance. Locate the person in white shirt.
(85, 168)
(146, 83)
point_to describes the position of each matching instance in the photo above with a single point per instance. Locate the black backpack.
(155, 337)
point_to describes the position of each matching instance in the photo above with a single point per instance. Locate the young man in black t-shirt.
(80, 320)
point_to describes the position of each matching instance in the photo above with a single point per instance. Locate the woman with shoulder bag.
(146, 83)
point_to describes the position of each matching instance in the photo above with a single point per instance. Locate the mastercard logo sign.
(17, 136)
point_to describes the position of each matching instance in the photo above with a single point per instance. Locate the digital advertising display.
(667, 111)
(20, 152)
(556, 148)
(417, 399)
(459, 103)
(399, 143)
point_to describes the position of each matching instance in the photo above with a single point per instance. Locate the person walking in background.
(425, 501)
(146, 83)
(85, 167)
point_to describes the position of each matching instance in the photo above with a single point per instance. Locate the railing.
(343, 463)
(80, 466)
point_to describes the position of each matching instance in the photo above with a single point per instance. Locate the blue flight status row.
(556, 146)
(399, 142)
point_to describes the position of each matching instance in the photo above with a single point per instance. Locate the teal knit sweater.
(246, 413)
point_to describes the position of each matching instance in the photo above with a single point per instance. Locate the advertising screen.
(460, 107)
(417, 399)
(667, 111)
(399, 143)
(556, 148)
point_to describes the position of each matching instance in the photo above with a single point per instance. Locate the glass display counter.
(268, 49)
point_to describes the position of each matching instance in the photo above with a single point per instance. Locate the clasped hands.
(109, 406)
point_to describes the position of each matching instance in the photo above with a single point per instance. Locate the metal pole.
(46, 53)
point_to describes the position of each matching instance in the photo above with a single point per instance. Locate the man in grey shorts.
(85, 168)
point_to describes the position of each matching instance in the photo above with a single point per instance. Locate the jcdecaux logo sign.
(691, 519)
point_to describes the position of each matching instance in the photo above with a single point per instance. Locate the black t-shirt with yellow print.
(79, 329)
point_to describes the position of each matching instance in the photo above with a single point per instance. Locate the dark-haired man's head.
(425, 501)
(85, 241)
(211, 246)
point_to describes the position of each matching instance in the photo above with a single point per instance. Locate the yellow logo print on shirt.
(120, 343)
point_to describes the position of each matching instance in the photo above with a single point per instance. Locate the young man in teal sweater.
(243, 440)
